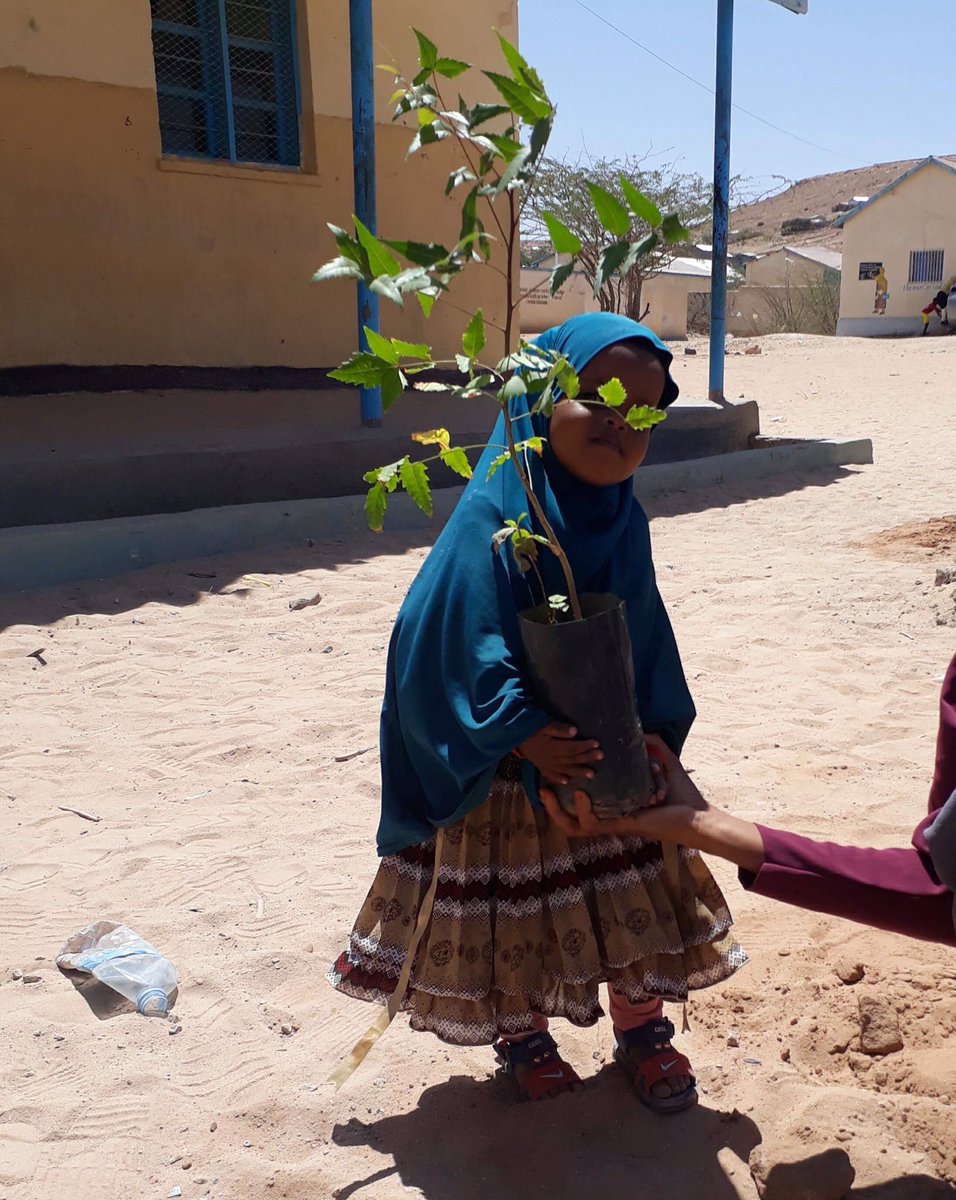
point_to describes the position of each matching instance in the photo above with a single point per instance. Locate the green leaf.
(381, 346)
(512, 175)
(415, 481)
(385, 286)
(642, 208)
(519, 64)
(562, 238)
(473, 339)
(415, 279)
(457, 460)
(349, 247)
(643, 417)
(609, 210)
(376, 504)
(392, 385)
(508, 147)
(412, 349)
(640, 250)
(610, 259)
(521, 100)
(380, 260)
(463, 363)
(362, 370)
(540, 136)
(515, 386)
(532, 443)
(427, 52)
(673, 230)
(457, 177)
(432, 385)
(559, 276)
(338, 268)
(469, 214)
(612, 393)
(480, 113)
(451, 67)
(496, 463)
(476, 386)
(568, 380)
(426, 301)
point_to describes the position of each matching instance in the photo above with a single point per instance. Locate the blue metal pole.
(363, 163)
(718, 277)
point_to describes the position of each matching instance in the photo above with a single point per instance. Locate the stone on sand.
(787, 1169)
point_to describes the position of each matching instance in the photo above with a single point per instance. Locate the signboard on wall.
(797, 6)
(870, 270)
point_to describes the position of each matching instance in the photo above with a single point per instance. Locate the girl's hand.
(559, 755)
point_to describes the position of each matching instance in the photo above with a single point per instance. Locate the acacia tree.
(565, 190)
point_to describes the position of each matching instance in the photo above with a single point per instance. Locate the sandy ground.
(202, 721)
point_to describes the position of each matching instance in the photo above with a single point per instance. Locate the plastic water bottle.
(125, 962)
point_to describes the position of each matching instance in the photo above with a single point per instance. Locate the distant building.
(797, 266)
(899, 250)
(665, 296)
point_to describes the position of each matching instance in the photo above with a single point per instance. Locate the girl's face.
(593, 442)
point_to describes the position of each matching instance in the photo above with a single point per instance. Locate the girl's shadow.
(470, 1141)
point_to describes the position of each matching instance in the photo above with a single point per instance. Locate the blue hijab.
(456, 700)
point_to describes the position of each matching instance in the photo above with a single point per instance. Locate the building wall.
(666, 294)
(919, 214)
(779, 268)
(116, 255)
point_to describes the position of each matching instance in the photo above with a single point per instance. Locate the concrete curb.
(34, 556)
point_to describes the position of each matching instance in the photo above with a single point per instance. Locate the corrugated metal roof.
(818, 254)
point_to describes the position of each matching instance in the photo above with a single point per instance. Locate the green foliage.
(563, 241)
(612, 393)
(610, 211)
(473, 339)
(608, 223)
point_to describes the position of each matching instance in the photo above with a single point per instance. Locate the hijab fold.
(456, 700)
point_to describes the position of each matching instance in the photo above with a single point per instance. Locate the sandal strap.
(666, 1064)
(535, 1050)
(654, 1033)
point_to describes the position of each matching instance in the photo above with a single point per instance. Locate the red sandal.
(545, 1073)
(664, 1063)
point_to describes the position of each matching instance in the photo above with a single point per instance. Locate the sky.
(865, 80)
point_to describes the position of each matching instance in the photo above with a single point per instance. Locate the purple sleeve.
(887, 889)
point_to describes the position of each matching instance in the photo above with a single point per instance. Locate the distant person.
(938, 306)
(525, 925)
(904, 891)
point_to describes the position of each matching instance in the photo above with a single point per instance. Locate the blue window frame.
(227, 79)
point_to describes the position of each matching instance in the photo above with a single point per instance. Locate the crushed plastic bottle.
(125, 962)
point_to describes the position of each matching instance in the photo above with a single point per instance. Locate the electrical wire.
(739, 107)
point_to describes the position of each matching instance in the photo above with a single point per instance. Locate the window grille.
(926, 266)
(226, 79)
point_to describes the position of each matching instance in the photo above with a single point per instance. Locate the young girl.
(526, 923)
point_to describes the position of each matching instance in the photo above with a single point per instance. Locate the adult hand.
(559, 755)
(662, 822)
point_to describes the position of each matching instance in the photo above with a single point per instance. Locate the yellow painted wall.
(666, 295)
(116, 255)
(919, 214)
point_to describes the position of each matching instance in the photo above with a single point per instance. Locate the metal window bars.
(926, 266)
(227, 79)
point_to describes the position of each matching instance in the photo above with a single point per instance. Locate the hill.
(757, 228)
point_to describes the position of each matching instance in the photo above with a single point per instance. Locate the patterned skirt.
(527, 922)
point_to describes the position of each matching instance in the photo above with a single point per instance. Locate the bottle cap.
(153, 1003)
